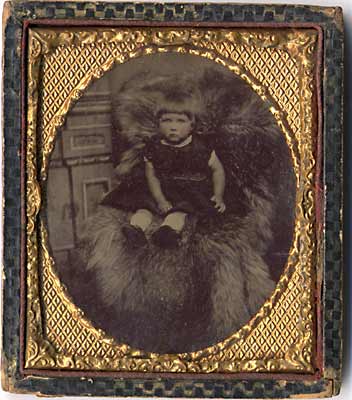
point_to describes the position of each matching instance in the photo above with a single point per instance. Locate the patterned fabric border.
(331, 22)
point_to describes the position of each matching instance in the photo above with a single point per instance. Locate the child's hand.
(219, 203)
(164, 206)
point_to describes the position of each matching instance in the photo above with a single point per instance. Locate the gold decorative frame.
(280, 65)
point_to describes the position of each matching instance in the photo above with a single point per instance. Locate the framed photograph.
(173, 213)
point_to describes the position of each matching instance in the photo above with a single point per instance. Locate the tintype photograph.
(170, 203)
(173, 200)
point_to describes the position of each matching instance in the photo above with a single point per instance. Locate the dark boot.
(166, 237)
(135, 237)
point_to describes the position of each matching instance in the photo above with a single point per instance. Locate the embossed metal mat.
(56, 54)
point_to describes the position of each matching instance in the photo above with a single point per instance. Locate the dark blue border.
(332, 104)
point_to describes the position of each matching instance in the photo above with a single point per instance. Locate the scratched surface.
(330, 20)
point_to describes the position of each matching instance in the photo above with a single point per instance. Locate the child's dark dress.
(184, 174)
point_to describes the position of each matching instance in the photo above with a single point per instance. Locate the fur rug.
(183, 299)
(198, 294)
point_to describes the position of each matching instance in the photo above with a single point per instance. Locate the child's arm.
(218, 182)
(155, 188)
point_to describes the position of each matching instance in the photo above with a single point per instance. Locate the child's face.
(175, 127)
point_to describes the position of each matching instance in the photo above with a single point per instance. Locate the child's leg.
(175, 220)
(142, 219)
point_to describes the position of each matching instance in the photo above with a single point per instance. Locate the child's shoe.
(166, 237)
(135, 236)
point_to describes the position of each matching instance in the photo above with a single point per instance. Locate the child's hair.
(174, 110)
(178, 103)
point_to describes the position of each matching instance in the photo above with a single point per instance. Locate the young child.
(184, 176)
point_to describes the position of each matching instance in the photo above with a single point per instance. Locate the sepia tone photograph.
(170, 203)
(173, 214)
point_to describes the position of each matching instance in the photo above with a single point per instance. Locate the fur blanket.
(200, 293)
